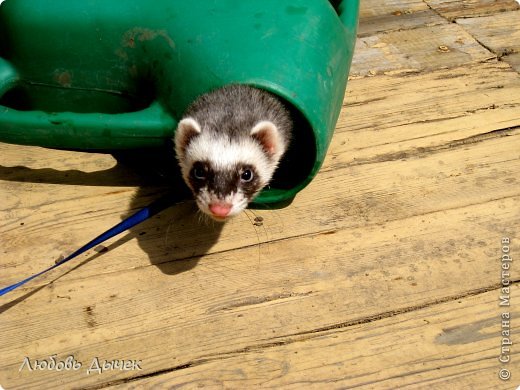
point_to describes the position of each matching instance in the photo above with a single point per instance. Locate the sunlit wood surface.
(384, 273)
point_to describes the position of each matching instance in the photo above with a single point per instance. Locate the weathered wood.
(354, 154)
(323, 280)
(453, 9)
(421, 49)
(452, 345)
(375, 194)
(237, 301)
(395, 114)
(383, 272)
(499, 33)
(392, 15)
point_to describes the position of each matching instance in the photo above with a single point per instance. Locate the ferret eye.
(246, 176)
(199, 172)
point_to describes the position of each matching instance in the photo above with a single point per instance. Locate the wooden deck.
(384, 273)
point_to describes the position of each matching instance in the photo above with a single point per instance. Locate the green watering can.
(105, 75)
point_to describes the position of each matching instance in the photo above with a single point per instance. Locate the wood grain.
(392, 15)
(421, 49)
(383, 273)
(453, 9)
(223, 306)
(395, 232)
(341, 197)
(500, 33)
(395, 114)
(415, 147)
(452, 345)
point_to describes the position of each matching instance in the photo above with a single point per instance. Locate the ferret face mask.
(226, 173)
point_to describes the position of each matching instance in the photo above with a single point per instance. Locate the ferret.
(228, 146)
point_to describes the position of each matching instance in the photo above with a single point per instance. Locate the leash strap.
(142, 215)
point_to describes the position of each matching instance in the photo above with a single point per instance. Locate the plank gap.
(426, 151)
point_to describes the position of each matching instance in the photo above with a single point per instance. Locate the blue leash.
(134, 219)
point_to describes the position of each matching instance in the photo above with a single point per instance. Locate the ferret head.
(226, 172)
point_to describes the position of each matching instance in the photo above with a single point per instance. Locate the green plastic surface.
(118, 74)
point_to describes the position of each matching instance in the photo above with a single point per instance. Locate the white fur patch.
(190, 122)
(184, 128)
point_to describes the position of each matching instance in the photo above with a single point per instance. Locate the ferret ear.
(186, 130)
(269, 137)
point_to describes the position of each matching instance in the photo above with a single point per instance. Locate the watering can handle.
(149, 127)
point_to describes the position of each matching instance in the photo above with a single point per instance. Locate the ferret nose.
(220, 209)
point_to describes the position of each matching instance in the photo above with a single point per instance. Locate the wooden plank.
(178, 233)
(170, 319)
(364, 210)
(421, 49)
(453, 9)
(392, 15)
(451, 345)
(237, 301)
(392, 114)
(499, 33)
(395, 229)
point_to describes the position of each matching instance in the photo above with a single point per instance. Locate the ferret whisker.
(263, 228)
(256, 232)
(271, 208)
(168, 232)
(201, 217)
